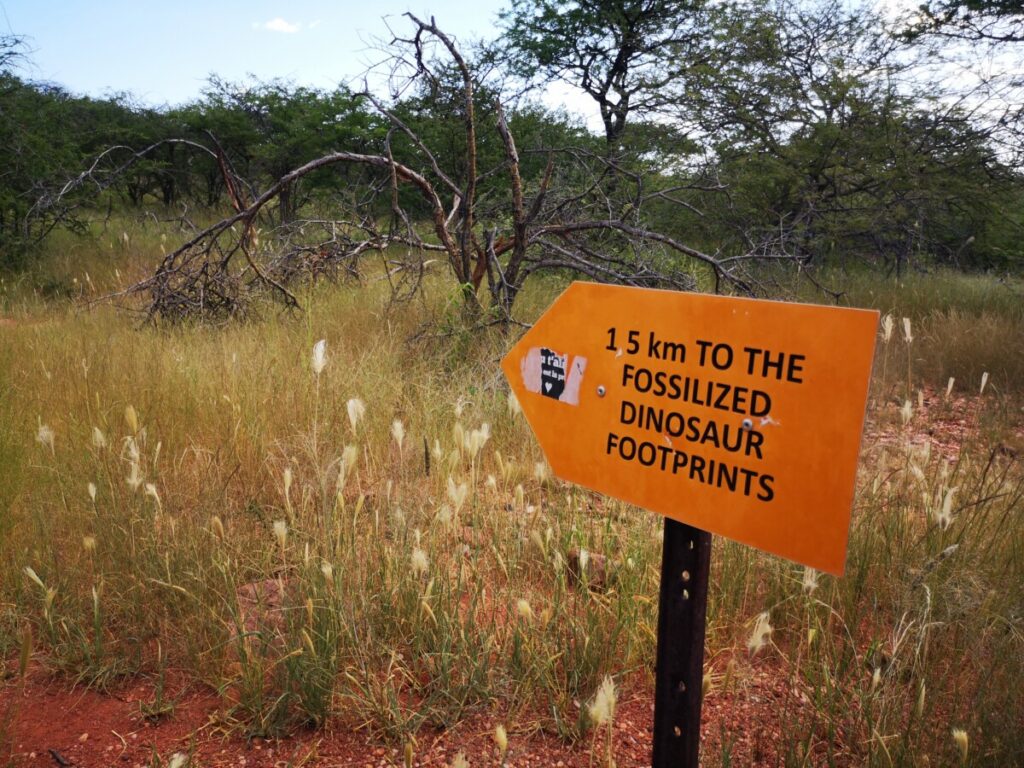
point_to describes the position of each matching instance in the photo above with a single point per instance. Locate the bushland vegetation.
(735, 134)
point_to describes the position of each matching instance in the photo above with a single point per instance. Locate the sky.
(164, 52)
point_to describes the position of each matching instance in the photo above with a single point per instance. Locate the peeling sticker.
(552, 374)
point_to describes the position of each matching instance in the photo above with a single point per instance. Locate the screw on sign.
(731, 416)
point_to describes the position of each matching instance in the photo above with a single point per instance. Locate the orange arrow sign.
(737, 416)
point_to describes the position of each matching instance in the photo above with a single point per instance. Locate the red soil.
(46, 724)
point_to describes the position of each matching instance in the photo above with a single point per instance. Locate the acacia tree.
(999, 21)
(822, 141)
(624, 54)
(269, 128)
(986, 39)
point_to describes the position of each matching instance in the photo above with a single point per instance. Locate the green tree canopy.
(624, 54)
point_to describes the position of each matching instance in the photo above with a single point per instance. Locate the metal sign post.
(679, 666)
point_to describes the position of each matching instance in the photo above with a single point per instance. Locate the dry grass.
(408, 596)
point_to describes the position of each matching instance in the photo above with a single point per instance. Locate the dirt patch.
(46, 724)
(944, 424)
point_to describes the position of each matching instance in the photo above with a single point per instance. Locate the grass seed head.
(962, 741)
(947, 501)
(476, 440)
(131, 418)
(457, 494)
(91, 487)
(887, 327)
(602, 708)
(810, 582)
(135, 477)
(584, 559)
(45, 436)
(419, 563)
(906, 412)
(760, 634)
(131, 448)
(398, 432)
(538, 541)
(349, 457)
(501, 739)
(907, 335)
(984, 381)
(356, 411)
(460, 761)
(319, 361)
(524, 610)
(30, 572)
(281, 533)
(99, 440)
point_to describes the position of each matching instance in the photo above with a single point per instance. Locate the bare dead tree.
(585, 215)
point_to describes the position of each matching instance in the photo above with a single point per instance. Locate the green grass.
(144, 579)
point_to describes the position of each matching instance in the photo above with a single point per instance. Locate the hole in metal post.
(686, 575)
(686, 594)
(691, 544)
(677, 731)
(682, 686)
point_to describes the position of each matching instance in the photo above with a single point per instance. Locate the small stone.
(83, 738)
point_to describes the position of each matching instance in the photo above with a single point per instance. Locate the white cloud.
(280, 25)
